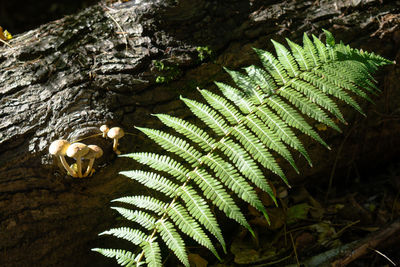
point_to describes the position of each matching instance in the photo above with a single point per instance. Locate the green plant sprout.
(204, 52)
(169, 73)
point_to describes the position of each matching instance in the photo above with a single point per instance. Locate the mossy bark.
(68, 77)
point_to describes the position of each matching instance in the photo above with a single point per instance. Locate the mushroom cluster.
(78, 151)
(61, 148)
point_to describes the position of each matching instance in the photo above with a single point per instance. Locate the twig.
(4, 42)
(341, 231)
(383, 255)
(273, 262)
(294, 249)
(343, 255)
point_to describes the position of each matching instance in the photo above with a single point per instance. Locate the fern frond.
(257, 150)
(236, 97)
(300, 56)
(322, 50)
(317, 96)
(252, 122)
(333, 75)
(262, 78)
(219, 103)
(329, 88)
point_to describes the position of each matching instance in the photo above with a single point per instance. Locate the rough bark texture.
(66, 78)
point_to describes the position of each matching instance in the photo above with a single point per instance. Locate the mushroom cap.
(77, 150)
(104, 128)
(94, 152)
(59, 147)
(115, 133)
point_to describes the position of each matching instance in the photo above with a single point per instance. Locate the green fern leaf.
(189, 226)
(300, 55)
(124, 258)
(331, 89)
(222, 105)
(286, 59)
(208, 116)
(173, 144)
(214, 191)
(153, 181)
(311, 51)
(245, 164)
(134, 236)
(257, 150)
(161, 163)
(144, 202)
(262, 79)
(322, 50)
(269, 138)
(308, 108)
(273, 66)
(189, 130)
(229, 176)
(294, 119)
(173, 240)
(199, 209)
(152, 253)
(318, 97)
(236, 97)
(138, 216)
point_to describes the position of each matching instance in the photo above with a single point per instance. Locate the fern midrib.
(213, 148)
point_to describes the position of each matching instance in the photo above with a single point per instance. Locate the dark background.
(20, 16)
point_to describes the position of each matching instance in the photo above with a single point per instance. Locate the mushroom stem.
(115, 146)
(79, 166)
(89, 167)
(67, 167)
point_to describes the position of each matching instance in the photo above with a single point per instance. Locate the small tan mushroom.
(59, 148)
(104, 129)
(95, 152)
(77, 151)
(116, 133)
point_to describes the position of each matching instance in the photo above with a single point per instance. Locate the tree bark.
(68, 77)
